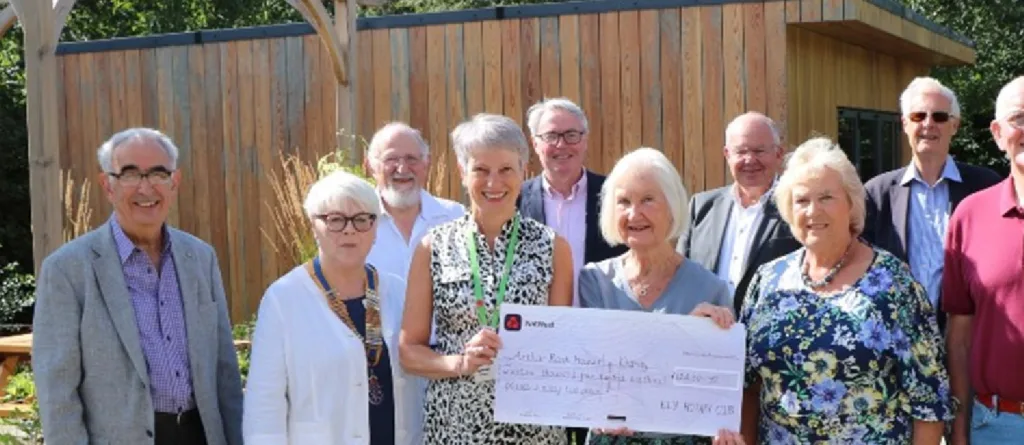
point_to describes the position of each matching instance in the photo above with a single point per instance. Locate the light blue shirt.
(927, 220)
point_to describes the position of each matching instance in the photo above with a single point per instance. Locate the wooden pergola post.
(41, 23)
(341, 40)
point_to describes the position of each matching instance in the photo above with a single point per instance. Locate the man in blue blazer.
(131, 338)
(908, 209)
(566, 196)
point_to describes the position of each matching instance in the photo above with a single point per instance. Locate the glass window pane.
(889, 149)
(868, 146)
(847, 136)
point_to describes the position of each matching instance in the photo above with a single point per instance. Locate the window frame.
(882, 160)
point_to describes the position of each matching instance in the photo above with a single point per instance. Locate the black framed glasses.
(937, 116)
(571, 137)
(337, 222)
(133, 177)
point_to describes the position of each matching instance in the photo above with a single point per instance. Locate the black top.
(382, 415)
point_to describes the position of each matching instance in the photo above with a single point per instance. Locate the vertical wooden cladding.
(664, 78)
(230, 108)
(827, 73)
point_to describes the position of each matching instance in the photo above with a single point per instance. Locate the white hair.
(811, 158)
(336, 191)
(539, 109)
(744, 119)
(922, 85)
(393, 128)
(666, 178)
(1003, 107)
(105, 154)
(489, 131)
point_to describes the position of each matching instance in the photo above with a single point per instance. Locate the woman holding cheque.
(643, 205)
(461, 274)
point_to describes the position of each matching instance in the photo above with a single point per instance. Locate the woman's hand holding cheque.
(479, 351)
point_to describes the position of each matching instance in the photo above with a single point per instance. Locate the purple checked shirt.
(159, 314)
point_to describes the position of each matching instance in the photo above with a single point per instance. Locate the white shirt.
(391, 253)
(739, 233)
(307, 375)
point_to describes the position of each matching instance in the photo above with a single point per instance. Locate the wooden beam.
(315, 13)
(62, 7)
(7, 19)
(347, 127)
(39, 23)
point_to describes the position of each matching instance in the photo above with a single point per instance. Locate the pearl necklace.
(829, 276)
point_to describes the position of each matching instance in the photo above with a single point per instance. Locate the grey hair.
(392, 128)
(537, 111)
(665, 176)
(105, 154)
(1003, 109)
(338, 189)
(489, 131)
(813, 157)
(921, 85)
(734, 126)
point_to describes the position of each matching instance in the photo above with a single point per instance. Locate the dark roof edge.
(447, 17)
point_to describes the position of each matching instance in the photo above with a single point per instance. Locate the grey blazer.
(702, 241)
(91, 376)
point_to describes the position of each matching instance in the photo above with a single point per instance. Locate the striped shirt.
(927, 220)
(159, 314)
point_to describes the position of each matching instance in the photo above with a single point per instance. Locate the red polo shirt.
(983, 276)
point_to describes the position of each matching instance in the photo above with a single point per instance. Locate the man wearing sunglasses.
(132, 342)
(565, 196)
(908, 208)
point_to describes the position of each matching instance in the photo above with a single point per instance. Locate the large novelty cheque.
(599, 368)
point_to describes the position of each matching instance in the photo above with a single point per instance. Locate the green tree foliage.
(995, 27)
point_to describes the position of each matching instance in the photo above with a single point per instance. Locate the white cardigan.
(307, 372)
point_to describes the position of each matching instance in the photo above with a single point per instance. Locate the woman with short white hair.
(643, 206)
(842, 343)
(324, 366)
(461, 274)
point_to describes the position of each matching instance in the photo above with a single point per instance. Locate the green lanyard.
(474, 264)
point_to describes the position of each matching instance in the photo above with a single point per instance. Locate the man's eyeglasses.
(336, 222)
(1016, 119)
(393, 161)
(755, 152)
(132, 177)
(937, 116)
(571, 137)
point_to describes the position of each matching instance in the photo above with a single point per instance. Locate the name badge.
(484, 374)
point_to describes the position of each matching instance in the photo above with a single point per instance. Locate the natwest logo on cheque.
(514, 322)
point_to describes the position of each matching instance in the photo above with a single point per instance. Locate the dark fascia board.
(448, 17)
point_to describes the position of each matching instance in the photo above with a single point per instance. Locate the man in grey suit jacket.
(908, 208)
(131, 339)
(735, 229)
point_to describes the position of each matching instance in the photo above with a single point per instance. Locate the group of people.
(851, 294)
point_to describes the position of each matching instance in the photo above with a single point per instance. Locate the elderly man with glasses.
(736, 228)
(132, 342)
(908, 208)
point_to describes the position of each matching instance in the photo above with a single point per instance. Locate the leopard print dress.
(460, 411)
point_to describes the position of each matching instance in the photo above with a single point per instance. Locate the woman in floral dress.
(843, 344)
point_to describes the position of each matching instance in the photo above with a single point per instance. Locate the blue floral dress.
(853, 367)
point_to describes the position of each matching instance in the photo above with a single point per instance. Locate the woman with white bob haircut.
(842, 343)
(324, 367)
(643, 205)
(461, 274)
